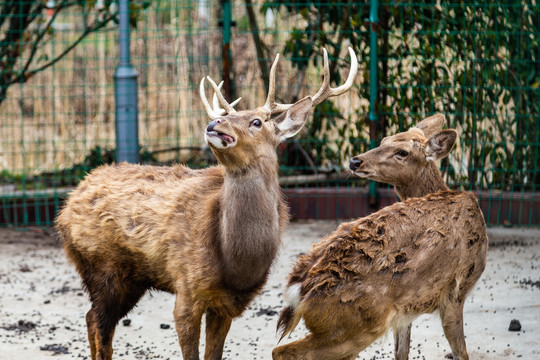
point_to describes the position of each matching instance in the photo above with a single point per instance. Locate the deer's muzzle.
(216, 137)
(355, 163)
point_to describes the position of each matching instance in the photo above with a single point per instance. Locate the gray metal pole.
(125, 94)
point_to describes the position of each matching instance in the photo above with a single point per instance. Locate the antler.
(271, 104)
(324, 92)
(218, 99)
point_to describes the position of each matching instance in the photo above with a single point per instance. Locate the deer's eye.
(402, 153)
(257, 123)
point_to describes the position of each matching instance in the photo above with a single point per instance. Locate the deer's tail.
(290, 316)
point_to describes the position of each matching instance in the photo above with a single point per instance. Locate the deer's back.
(139, 215)
(408, 253)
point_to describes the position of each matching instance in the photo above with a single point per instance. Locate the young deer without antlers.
(209, 236)
(384, 270)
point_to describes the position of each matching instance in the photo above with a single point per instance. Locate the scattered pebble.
(55, 348)
(21, 326)
(266, 311)
(529, 282)
(515, 325)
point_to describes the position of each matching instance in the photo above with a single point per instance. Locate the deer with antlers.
(382, 271)
(208, 236)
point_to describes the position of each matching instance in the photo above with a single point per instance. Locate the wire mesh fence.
(476, 62)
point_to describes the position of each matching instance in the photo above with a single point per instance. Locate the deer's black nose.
(355, 163)
(213, 123)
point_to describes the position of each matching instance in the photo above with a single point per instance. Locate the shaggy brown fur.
(381, 271)
(209, 236)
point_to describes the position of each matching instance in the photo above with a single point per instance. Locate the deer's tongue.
(227, 138)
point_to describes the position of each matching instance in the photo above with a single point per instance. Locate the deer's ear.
(293, 120)
(440, 144)
(431, 125)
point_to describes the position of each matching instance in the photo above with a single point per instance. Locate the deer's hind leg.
(112, 298)
(314, 347)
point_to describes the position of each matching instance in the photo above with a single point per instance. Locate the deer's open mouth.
(364, 174)
(219, 139)
(227, 138)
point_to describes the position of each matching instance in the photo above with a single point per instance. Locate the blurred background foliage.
(476, 62)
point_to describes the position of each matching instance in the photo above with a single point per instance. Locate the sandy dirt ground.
(42, 305)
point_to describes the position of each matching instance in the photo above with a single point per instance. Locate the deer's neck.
(427, 182)
(250, 225)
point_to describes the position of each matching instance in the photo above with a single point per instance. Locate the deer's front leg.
(187, 318)
(452, 322)
(217, 327)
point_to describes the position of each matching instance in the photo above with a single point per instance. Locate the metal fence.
(476, 62)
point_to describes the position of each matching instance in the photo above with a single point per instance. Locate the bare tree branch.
(259, 46)
(5, 7)
(41, 35)
(23, 76)
(22, 37)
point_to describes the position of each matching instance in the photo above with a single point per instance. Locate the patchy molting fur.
(382, 271)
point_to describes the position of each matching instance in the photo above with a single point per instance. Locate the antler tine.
(235, 102)
(326, 91)
(271, 97)
(215, 101)
(228, 107)
(271, 104)
(213, 115)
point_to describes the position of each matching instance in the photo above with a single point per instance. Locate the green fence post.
(125, 94)
(373, 91)
(226, 52)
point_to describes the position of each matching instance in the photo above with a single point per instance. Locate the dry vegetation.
(53, 120)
